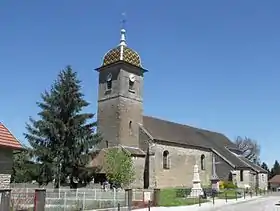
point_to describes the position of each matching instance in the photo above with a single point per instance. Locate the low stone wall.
(5, 180)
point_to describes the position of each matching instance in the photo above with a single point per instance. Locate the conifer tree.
(275, 170)
(63, 135)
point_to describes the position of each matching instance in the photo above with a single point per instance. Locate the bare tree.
(249, 148)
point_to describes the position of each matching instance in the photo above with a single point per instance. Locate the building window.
(109, 81)
(130, 127)
(131, 85)
(202, 162)
(241, 175)
(166, 160)
(109, 85)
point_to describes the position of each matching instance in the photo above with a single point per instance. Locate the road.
(261, 204)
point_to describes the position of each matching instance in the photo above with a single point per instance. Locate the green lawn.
(168, 198)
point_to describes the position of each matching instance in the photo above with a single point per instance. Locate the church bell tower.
(120, 96)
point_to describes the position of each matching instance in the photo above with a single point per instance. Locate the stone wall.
(6, 164)
(120, 109)
(139, 165)
(182, 161)
(247, 178)
(263, 181)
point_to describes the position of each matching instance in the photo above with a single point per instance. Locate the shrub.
(222, 184)
(119, 167)
(229, 185)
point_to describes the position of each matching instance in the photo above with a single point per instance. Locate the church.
(164, 152)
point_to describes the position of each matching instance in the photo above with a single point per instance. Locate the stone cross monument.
(196, 189)
(214, 179)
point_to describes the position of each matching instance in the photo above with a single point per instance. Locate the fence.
(74, 200)
(85, 199)
(21, 198)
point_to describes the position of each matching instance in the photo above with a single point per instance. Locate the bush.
(221, 184)
(229, 185)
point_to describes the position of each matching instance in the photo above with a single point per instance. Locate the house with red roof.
(8, 145)
(275, 183)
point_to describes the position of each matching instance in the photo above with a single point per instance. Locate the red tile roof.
(7, 139)
(275, 179)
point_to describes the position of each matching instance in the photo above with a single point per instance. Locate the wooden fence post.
(40, 200)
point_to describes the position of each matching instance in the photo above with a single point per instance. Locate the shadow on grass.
(169, 197)
(229, 194)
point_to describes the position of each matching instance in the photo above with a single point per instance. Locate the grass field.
(168, 197)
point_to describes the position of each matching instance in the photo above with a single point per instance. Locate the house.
(163, 152)
(8, 145)
(275, 183)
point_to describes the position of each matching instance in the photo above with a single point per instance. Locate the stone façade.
(120, 109)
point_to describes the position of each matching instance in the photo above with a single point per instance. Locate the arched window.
(109, 85)
(241, 175)
(166, 160)
(202, 162)
(109, 81)
(131, 85)
(130, 127)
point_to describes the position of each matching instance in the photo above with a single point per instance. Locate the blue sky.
(212, 64)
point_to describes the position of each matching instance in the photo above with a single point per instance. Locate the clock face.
(132, 77)
(109, 77)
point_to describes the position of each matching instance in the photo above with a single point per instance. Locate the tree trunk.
(73, 185)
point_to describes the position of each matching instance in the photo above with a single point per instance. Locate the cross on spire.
(123, 41)
(123, 21)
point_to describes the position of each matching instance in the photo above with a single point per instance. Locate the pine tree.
(265, 167)
(63, 136)
(275, 169)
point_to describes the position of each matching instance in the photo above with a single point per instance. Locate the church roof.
(172, 132)
(122, 53)
(253, 165)
(98, 157)
(7, 139)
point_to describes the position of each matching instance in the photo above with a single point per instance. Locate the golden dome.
(122, 53)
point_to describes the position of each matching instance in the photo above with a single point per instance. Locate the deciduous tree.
(249, 148)
(119, 167)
